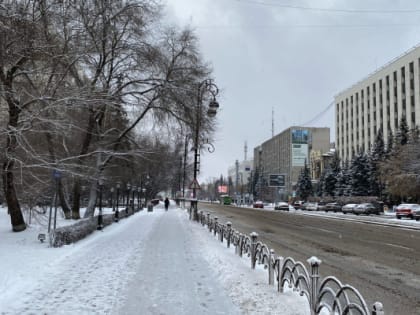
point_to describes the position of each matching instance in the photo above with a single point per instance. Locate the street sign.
(194, 184)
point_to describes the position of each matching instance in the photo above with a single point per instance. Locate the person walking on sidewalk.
(166, 204)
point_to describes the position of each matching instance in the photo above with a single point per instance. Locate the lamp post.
(117, 212)
(144, 196)
(112, 201)
(100, 219)
(128, 197)
(138, 198)
(133, 190)
(205, 87)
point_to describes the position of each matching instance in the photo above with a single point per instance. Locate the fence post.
(201, 217)
(378, 309)
(221, 231)
(254, 237)
(208, 221)
(241, 242)
(314, 262)
(229, 231)
(215, 225)
(279, 267)
(270, 268)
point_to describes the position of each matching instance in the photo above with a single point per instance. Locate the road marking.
(399, 246)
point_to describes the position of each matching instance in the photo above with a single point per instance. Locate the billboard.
(222, 189)
(300, 139)
(276, 180)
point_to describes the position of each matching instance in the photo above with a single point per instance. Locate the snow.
(150, 263)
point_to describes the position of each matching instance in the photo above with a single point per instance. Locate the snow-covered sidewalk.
(150, 263)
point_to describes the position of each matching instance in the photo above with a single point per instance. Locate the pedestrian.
(166, 204)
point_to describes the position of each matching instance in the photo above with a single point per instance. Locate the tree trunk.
(75, 213)
(16, 217)
(63, 201)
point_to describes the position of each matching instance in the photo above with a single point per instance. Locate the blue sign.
(57, 174)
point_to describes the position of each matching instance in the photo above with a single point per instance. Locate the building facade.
(239, 176)
(378, 102)
(279, 160)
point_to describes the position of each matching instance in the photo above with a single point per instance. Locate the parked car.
(365, 208)
(258, 204)
(416, 214)
(348, 208)
(321, 206)
(333, 206)
(297, 204)
(281, 206)
(406, 210)
(311, 206)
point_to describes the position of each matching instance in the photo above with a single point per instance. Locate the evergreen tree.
(360, 174)
(304, 185)
(331, 175)
(403, 132)
(377, 156)
(342, 185)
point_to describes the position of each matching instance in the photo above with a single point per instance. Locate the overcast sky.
(291, 57)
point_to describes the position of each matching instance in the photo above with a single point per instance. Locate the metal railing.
(327, 293)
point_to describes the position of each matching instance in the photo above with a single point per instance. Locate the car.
(281, 206)
(333, 206)
(416, 214)
(297, 204)
(321, 206)
(311, 206)
(365, 208)
(258, 204)
(348, 208)
(406, 210)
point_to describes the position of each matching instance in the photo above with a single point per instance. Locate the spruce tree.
(359, 173)
(377, 156)
(304, 185)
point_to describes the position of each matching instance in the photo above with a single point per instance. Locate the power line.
(319, 115)
(297, 7)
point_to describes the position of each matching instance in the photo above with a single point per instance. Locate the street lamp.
(100, 219)
(133, 189)
(206, 86)
(138, 197)
(117, 212)
(144, 197)
(112, 201)
(128, 197)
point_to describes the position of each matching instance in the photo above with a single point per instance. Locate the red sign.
(222, 189)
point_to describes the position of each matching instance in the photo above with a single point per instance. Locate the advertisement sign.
(222, 189)
(276, 180)
(299, 154)
(300, 139)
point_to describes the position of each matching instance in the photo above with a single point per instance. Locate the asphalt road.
(382, 262)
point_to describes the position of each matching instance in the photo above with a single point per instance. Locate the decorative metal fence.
(322, 294)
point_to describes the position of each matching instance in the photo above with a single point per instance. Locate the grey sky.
(290, 56)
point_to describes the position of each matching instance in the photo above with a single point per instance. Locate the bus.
(225, 200)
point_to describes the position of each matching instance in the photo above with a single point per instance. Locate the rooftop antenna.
(245, 151)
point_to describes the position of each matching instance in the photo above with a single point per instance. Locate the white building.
(379, 101)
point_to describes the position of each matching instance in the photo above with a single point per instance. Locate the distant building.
(239, 176)
(379, 101)
(279, 160)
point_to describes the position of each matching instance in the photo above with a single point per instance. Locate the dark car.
(298, 204)
(281, 206)
(366, 208)
(406, 210)
(258, 204)
(333, 206)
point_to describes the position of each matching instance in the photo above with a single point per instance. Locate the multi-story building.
(279, 160)
(379, 101)
(239, 176)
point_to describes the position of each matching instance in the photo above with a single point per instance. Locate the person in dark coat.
(166, 204)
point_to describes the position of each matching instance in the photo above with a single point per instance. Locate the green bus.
(225, 200)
